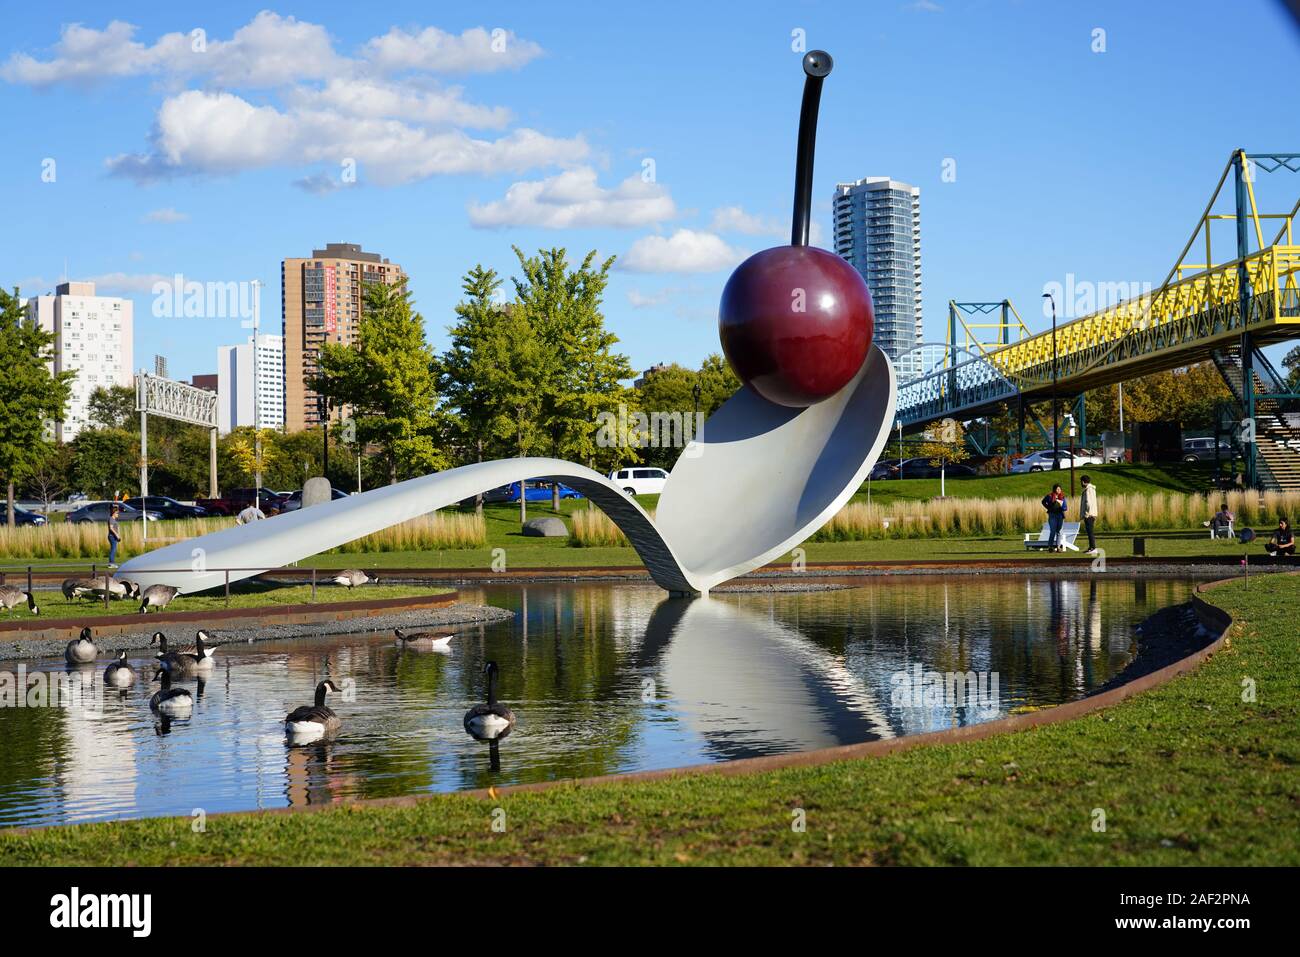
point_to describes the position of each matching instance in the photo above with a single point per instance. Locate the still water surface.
(602, 677)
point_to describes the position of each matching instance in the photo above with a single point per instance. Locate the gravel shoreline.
(460, 614)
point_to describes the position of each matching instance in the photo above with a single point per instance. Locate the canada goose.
(116, 588)
(81, 650)
(168, 700)
(157, 596)
(119, 674)
(432, 640)
(11, 595)
(183, 664)
(352, 577)
(313, 719)
(76, 587)
(491, 721)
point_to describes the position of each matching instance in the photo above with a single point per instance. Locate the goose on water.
(493, 720)
(11, 595)
(353, 578)
(157, 596)
(183, 664)
(168, 700)
(81, 650)
(432, 640)
(119, 674)
(314, 719)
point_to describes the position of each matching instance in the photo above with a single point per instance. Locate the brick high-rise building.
(322, 298)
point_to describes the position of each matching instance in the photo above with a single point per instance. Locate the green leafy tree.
(30, 394)
(465, 377)
(583, 373)
(108, 461)
(113, 407)
(388, 380)
(516, 388)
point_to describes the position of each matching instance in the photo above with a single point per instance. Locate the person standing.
(1055, 505)
(1088, 512)
(114, 536)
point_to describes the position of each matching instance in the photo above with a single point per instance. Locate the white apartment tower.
(236, 383)
(92, 337)
(878, 230)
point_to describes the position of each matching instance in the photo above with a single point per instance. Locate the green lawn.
(242, 595)
(1187, 774)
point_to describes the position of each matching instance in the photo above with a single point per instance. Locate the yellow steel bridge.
(1222, 310)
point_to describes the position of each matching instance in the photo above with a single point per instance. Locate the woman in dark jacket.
(1282, 542)
(1055, 505)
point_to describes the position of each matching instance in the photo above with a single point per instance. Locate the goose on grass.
(11, 596)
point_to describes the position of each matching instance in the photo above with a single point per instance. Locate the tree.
(943, 442)
(464, 375)
(1291, 362)
(30, 394)
(108, 461)
(583, 372)
(389, 381)
(113, 408)
(51, 476)
(241, 446)
(516, 386)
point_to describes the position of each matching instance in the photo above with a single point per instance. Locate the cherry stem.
(816, 65)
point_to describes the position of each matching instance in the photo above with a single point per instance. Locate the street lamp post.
(257, 424)
(1056, 427)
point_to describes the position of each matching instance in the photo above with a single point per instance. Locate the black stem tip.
(816, 65)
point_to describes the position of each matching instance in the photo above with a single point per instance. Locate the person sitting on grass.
(1055, 505)
(1282, 542)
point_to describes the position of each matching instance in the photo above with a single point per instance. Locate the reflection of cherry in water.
(796, 321)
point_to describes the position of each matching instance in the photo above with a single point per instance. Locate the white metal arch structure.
(761, 479)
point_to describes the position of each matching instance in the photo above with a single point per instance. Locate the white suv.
(640, 481)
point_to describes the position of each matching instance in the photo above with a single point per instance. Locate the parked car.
(167, 507)
(640, 481)
(21, 516)
(884, 470)
(921, 468)
(1042, 461)
(99, 512)
(535, 492)
(1202, 449)
(293, 501)
(235, 501)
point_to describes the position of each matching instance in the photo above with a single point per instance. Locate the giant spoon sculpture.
(771, 466)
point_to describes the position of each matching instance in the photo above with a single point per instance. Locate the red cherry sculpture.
(796, 321)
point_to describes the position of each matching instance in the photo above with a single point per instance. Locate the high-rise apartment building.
(322, 298)
(878, 230)
(93, 337)
(238, 377)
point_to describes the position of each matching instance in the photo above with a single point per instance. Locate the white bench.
(1069, 532)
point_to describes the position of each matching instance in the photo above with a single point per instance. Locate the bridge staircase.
(1277, 417)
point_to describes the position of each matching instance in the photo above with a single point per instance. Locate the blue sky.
(217, 163)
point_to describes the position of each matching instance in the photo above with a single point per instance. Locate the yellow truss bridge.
(1205, 309)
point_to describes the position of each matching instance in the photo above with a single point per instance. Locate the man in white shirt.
(1088, 511)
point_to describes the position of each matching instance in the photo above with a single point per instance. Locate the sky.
(1049, 140)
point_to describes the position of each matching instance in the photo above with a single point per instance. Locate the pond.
(603, 678)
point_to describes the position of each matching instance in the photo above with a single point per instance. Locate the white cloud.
(685, 251)
(199, 132)
(268, 51)
(643, 300)
(381, 109)
(165, 215)
(734, 219)
(574, 199)
(433, 50)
